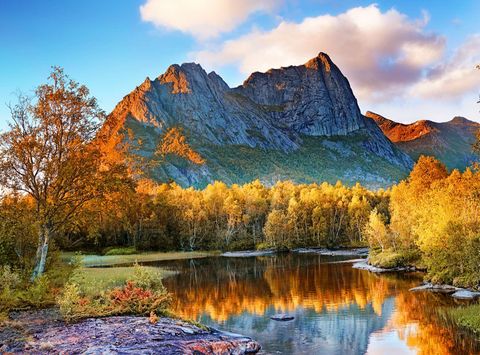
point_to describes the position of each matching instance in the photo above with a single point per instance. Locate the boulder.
(465, 295)
(282, 317)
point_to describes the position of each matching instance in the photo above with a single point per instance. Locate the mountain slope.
(301, 123)
(451, 142)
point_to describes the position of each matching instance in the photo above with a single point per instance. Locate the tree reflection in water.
(337, 309)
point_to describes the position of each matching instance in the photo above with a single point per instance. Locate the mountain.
(450, 142)
(300, 122)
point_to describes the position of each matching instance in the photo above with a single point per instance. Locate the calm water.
(337, 309)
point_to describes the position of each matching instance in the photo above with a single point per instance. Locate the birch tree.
(51, 153)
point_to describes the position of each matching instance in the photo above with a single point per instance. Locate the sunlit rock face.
(282, 124)
(313, 99)
(450, 142)
(185, 95)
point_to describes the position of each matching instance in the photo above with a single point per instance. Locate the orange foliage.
(174, 142)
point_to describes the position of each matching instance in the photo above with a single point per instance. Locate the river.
(337, 309)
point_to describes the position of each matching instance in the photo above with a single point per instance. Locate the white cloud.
(455, 76)
(202, 18)
(380, 52)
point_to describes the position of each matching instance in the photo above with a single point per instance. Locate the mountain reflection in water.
(337, 309)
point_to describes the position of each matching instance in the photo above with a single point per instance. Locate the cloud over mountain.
(381, 52)
(202, 18)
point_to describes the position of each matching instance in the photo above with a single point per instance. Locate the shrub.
(39, 294)
(121, 251)
(147, 278)
(9, 278)
(144, 294)
(132, 299)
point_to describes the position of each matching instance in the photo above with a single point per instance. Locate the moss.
(467, 317)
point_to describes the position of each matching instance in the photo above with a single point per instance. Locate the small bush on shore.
(18, 292)
(144, 294)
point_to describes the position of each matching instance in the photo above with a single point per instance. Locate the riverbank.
(466, 316)
(90, 260)
(43, 331)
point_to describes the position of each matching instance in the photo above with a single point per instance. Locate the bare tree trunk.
(42, 251)
(38, 254)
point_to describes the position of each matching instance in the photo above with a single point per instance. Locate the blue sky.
(407, 60)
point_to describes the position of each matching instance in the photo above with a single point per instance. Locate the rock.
(363, 265)
(314, 99)
(455, 292)
(248, 253)
(125, 335)
(465, 295)
(271, 112)
(282, 317)
(330, 252)
(435, 288)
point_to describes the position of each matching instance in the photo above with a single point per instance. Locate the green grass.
(390, 259)
(91, 281)
(108, 260)
(467, 317)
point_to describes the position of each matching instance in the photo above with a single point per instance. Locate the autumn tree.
(51, 153)
(174, 142)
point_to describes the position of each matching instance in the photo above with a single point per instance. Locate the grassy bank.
(394, 258)
(108, 260)
(91, 281)
(467, 317)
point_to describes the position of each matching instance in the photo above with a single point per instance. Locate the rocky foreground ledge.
(114, 335)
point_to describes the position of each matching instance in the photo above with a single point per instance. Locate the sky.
(406, 60)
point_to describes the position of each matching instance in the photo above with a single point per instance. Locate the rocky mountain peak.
(175, 75)
(314, 99)
(321, 61)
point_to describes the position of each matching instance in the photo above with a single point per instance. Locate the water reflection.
(337, 309)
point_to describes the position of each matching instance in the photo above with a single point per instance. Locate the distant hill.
(300, 123)
(451, 142)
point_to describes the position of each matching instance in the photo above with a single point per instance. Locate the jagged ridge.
(298, 111)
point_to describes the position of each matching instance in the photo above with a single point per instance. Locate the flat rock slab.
(455, 292)
(130, 335)
(333, 252)
(248, 253)
(465, 295)
(363, 265)
(282, 317)
(435, 288)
